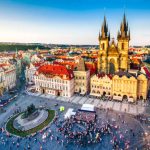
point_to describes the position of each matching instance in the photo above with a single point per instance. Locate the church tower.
(104, 38)
(123, 44)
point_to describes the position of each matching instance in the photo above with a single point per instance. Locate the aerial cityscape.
(74, 75)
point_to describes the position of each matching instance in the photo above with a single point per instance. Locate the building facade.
(113, 57)
(2, 80)
(126, 86)
(82, 78)
(30, 72)
(7, 76)
(101, 84)
(55, 80)
(10, 77)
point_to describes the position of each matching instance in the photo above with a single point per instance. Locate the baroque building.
(101, 84)
(55, 80)
(112, 57)
(130, 87)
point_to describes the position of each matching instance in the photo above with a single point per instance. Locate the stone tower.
(123, 44)
(104, 38)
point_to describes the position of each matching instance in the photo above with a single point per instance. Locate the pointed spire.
(109, 36)
(118, 34)
(99, 37)
(129, 34)
(104, 29)
(124, 18)
(123, 28)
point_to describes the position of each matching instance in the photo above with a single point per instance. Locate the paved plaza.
(75, 102)
(114, 105)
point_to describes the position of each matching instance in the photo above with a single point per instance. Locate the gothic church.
(113, 57)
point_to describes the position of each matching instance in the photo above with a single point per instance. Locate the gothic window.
(103, 46)
(122, 45)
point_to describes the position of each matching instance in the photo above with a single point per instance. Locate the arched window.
(122, 45)
(103, 46)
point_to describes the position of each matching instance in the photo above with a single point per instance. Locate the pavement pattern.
(133, 109)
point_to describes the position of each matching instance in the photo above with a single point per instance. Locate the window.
(103, 46)
(122, 45)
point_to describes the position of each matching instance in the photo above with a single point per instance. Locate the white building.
(54, 79)
(2, 76)
(9, 75)
(30, 71)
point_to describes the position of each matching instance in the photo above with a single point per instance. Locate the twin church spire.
(123, 33)
(104, 30)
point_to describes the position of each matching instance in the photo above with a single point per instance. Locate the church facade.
(113, 57)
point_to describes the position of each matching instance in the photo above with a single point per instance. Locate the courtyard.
(126, 124)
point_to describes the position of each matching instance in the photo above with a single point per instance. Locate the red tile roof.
(91, 67)
(56, 70)
(65, 63)
(37, 64)
(101, 75)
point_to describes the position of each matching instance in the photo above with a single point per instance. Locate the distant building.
(7, 76)
(2, 80)
(54, 79)
(30, 71)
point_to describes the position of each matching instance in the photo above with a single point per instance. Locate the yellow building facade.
(113, 57)
(129, 87)
(101, 84)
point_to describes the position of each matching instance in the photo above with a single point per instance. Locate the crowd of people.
(85, 132)
(85, 116)
(81, 133)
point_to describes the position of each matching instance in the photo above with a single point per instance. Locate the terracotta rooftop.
(56, 70)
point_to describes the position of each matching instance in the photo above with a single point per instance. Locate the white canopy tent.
(69, 113)
(87, 107)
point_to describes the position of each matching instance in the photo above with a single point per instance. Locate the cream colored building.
(10, 77)
(7, 76)
(82, 77)
(2, 75)
(82, 81)
(101, 84)
(126, 86)
(143, 87)
(29, 73)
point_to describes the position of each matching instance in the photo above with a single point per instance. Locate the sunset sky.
(71, 21)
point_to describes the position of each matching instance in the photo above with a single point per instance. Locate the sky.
(71, 21)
